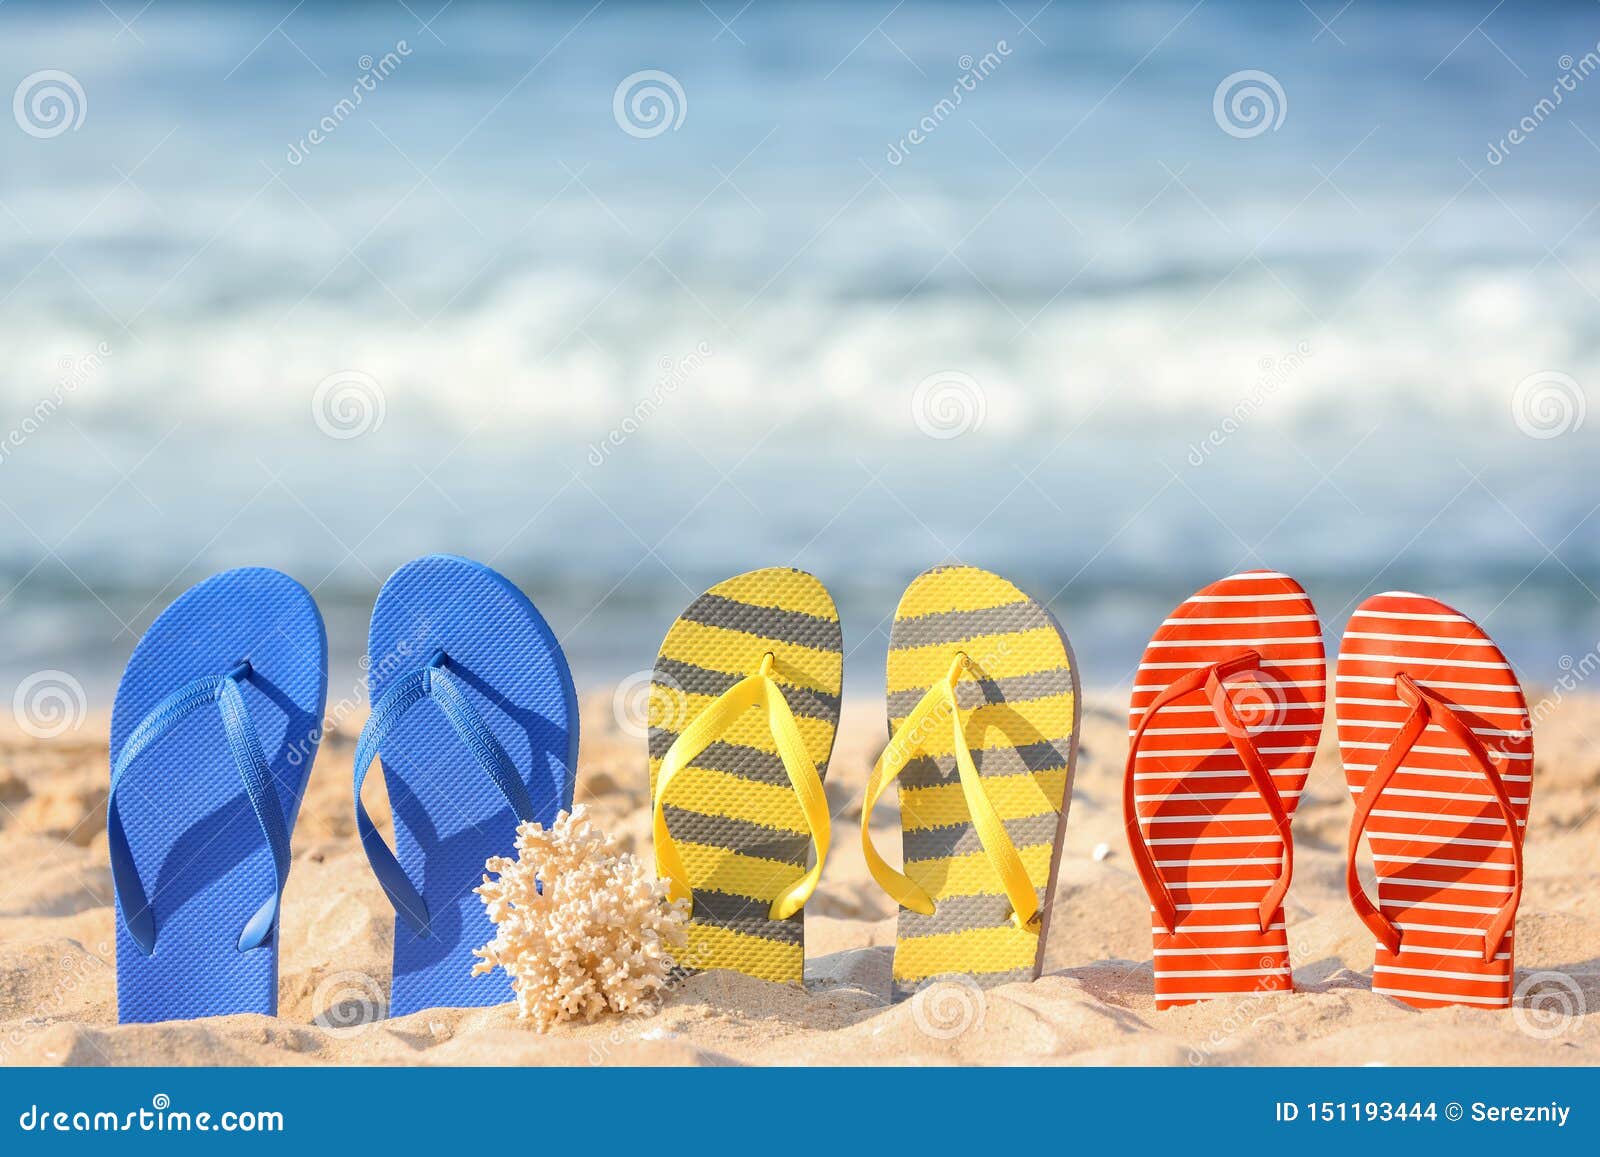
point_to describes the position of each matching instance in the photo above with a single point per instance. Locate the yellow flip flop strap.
(938, 704)
(755, 690)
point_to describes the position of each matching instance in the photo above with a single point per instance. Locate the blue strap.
(137, 914)
(430, 682)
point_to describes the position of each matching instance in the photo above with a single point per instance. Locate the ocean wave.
(550, 367)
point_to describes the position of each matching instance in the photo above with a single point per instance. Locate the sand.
(1093, 1006)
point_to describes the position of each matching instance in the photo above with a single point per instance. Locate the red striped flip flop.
(1438, 750)
(1226, 711)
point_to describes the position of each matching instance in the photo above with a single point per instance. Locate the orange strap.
(1210, 678)
(1426, 708)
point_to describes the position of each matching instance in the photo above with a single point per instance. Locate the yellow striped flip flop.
(983, 718)
(744, 704)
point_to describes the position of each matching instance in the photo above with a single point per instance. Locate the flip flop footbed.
(195, 840)
(1020, 705)
(449, 816)
(1439, 845)
(732, 811)
(1214, 844)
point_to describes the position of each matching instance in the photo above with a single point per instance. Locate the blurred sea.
(1079, 333)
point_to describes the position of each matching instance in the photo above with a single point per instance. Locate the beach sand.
(1093, 1005)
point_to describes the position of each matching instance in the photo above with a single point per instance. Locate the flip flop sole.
(1023, 729)
(732, 811)
(1215, 846)
(449, 817)
(1439, 845)
(195, 840)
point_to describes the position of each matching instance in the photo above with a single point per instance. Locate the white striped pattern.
(1220, 850)
(1441, 854)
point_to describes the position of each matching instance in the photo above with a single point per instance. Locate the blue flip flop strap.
(436, 683)
(245, 744)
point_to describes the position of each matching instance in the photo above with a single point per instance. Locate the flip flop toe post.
(213, 733)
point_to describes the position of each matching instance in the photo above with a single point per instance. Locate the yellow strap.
(940, 707)
(758, 690)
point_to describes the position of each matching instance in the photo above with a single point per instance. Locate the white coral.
(580, 927)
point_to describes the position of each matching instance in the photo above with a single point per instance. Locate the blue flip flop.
(476, 719)
(213, 734)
